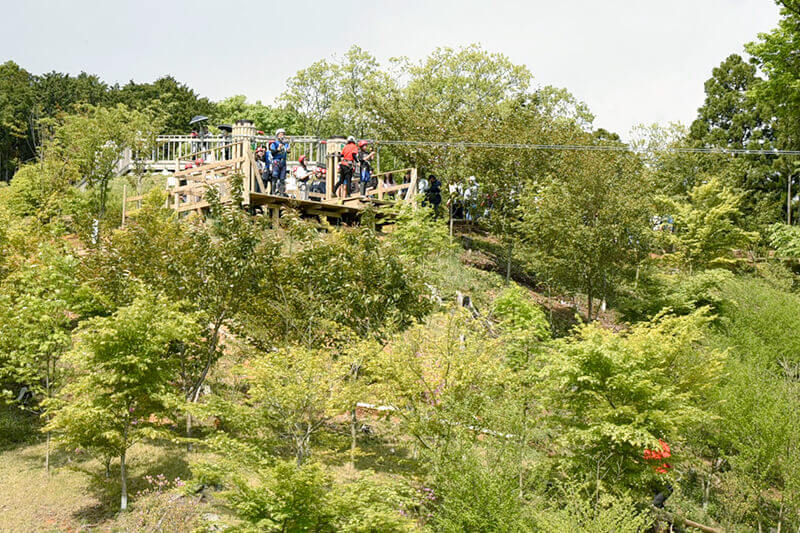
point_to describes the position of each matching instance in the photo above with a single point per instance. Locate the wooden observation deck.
(194, 173)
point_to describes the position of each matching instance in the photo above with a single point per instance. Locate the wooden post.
(248, 172)
(380, 188)
(412, 187)
(124, 201)
(330, 176)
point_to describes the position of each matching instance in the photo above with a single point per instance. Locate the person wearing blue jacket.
(278, 149)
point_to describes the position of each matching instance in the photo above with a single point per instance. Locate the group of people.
(356, 157)
(272, 161)
(356, 160)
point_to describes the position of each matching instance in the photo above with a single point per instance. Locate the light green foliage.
(41, 190)
(289, 498)
(121, 389)
(785, 240)
(517, 313)
(344, 283)
(266, 118)
(213, 268)
(420, 236)
(93, 140)
(476, 489)
(613, 395)
(522, 323)
(311, 93)
(579, 515)
(761, 321)
(335, 97)
(707, 229)
(678, 293)
(444, 377)
(757, 404)
(291, 394)
(40, 305)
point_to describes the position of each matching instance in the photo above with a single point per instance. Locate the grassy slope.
(77, 496)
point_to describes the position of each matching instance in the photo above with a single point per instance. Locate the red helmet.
(362, 144)
(301, 158)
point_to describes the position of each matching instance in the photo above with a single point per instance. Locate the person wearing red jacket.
(347, 166)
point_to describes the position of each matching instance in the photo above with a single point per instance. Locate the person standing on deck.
(364, 158)
(278, 149)
(261, 164)
(347, 166)
(302, 176)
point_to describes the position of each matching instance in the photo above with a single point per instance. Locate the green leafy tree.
(586, 226)
(612, 396)
(773, 54)
(122, 388)
(216, 267)
(93, 141)
(174, 103)
(312, 93)
(522, 324)
(290, 498)
(707, 229)
(291, 394)
(16, 104)
(266, 118)
(40, 305)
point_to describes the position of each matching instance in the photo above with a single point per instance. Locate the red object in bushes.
(659, 455)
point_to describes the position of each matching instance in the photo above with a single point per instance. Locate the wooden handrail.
(392, 172)
(221, 147)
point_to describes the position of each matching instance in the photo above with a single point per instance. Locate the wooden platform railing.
(196, 171)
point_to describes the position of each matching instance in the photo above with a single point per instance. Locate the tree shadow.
(374, 452)
(18, 428)
(145, 462)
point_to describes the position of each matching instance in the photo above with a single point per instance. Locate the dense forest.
(607, 344)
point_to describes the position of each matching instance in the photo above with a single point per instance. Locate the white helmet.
(279, 131)
(351, 139)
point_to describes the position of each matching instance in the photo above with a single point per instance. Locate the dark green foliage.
(175, 102)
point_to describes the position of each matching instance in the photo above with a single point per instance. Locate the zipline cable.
(584, 147)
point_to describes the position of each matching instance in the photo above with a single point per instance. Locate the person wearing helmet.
(364, 158)
(278, 149)
(347, 166)
(302, 176)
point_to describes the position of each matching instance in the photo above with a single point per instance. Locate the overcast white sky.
(631, 61)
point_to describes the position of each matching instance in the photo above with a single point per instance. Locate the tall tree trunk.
(47, 456)
(589, 304)
(123, 474)
(353, 437)
(508, 262)
(188, 431)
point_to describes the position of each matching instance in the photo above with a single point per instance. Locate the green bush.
(522, 322)
(681, 293)
(581, 515)
(292, 498)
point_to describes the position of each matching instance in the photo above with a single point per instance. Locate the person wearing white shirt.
(299, 179)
